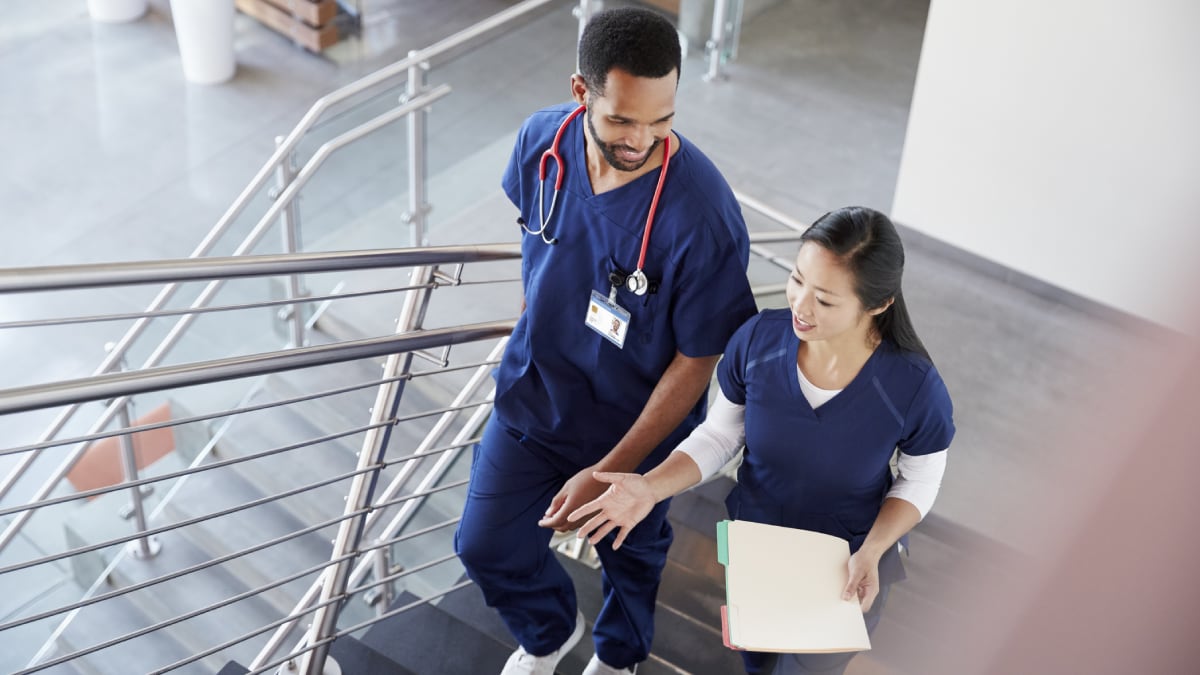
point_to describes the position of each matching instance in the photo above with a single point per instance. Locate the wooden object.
(308, 23)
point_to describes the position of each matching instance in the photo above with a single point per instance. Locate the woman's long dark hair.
(867, 243)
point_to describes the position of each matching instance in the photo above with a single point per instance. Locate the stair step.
(219, 489)
(693, 595)
(698, 510)
(428, 640)
(696, 551)
(111, 619)
(336, 412)
(191, 592)
(681, 641)
(271, 475)
(356, 658)
(27, 592)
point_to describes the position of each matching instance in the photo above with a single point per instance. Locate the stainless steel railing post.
(285, 173)
(418, 164)
(336, 578)
(143, 548)
(381, 562)
(584, 13)
(716, 44)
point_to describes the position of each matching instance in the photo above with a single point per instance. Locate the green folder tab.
(723, 542)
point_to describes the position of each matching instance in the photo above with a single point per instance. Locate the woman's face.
(820, 293)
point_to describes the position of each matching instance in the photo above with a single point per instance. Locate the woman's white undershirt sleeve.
(718, 439)
(919, 478)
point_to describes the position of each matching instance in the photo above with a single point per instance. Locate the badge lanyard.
(604, 315)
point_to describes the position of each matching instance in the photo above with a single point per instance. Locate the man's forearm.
(672, 399)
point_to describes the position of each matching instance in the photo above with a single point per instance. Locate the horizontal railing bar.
(423, 493)
(247, 409)
(401, 574)
(112, 385)
(768, 289)
(272, 665)
(450, 369)
(136, 634)
(401, 610)
(125, 485)
(98, 275)
(775, 237)
(195, 418)
(773, 214)
(776, 260)
(342, 633)
(185, 523)
(480, 282)
(292, 617)
(188, 570)
(247, 505)
(411, 535)
(100, 318)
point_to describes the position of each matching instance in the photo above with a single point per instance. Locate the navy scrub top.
(826, 470)
(560, 382)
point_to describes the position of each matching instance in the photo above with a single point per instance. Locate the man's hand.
(577, 491)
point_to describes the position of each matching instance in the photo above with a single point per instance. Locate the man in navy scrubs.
(634, 277)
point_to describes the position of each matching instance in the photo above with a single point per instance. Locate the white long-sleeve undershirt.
(719, 438)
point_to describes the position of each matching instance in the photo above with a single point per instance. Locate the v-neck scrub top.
(560, 382)
(827, 469)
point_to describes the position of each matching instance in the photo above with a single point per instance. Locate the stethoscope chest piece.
(637, 283)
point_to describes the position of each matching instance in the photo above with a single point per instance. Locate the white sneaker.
(598, 667)
(523, 663)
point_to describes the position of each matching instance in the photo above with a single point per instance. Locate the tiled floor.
(110, 155)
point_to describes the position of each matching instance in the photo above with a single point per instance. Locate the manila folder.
(783, 590)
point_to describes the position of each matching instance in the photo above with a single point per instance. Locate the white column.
(116, 11)
(204, 29)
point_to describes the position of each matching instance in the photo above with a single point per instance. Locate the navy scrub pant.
(506, 553)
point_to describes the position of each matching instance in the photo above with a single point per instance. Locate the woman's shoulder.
(909, 374)
(763, 325)
(767, 331)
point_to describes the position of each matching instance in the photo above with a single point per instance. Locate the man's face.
(629, 120)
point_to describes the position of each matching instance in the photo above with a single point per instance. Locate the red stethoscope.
(636, 281)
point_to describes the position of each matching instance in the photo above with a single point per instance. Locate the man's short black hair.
(639, 41)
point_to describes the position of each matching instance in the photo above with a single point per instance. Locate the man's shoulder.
(548, 119)
(708, 192)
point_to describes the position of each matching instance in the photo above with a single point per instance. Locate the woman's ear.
(882, 308)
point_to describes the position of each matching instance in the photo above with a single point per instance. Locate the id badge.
(608, 319)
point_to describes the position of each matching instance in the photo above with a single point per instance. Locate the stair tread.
(181, 595)
(110, 619)
(681, 640)
(357, 658)
(215, 490)
(434, 641)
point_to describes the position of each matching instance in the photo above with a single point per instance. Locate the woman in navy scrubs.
(822, 394)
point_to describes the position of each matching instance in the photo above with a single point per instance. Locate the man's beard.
(609, 150)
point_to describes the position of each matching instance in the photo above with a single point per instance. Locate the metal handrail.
(117, 353)
(35, 397)
(98, 275)
(119, 385)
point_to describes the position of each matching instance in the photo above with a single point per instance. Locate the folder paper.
(783, 590)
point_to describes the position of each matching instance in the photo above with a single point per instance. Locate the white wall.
(1061, 138)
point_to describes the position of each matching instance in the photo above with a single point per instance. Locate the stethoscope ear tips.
(553, 241)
